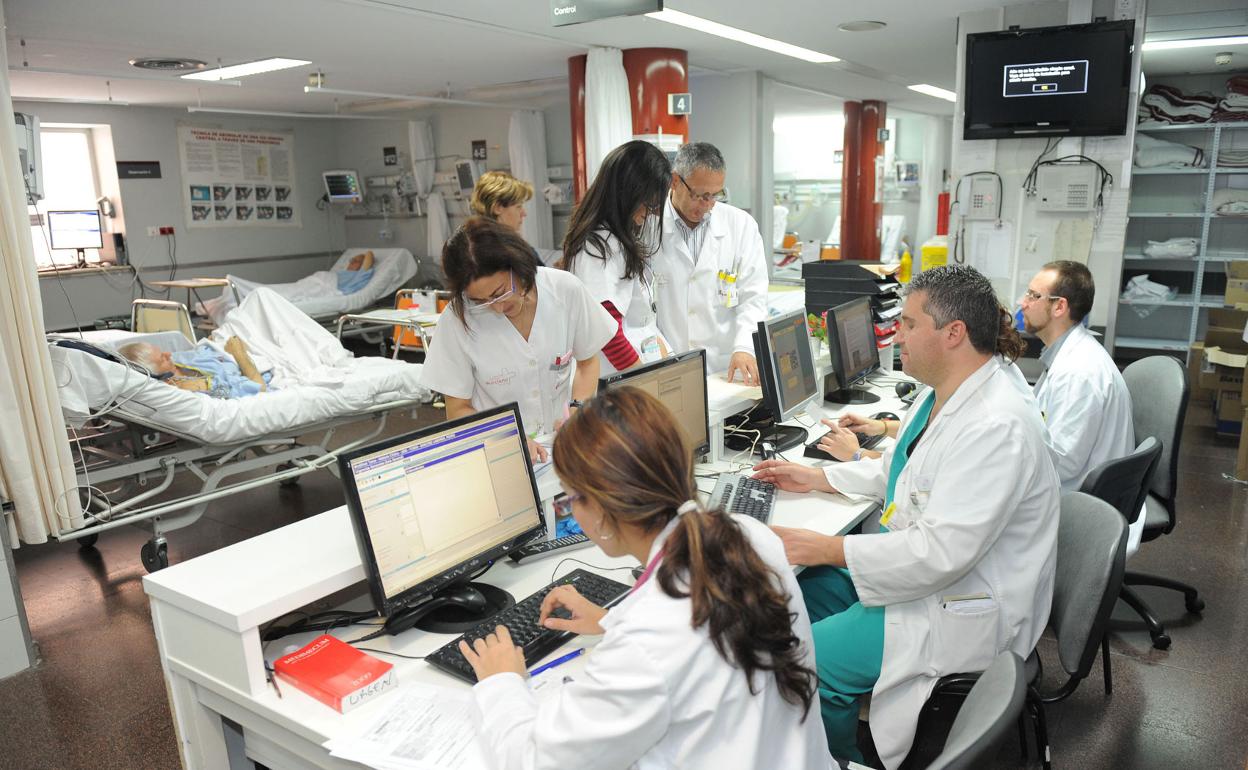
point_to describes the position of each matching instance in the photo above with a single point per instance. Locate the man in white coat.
(962, 566)
(711, 270)
(1081, 393)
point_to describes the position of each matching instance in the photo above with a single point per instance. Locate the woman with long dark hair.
(614, 231)
(516, 331)
(707, 663)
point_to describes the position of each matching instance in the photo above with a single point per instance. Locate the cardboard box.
(1196, 392)
(1241, 458)
(1229, 413)
(1236, 284)
(1224, 353)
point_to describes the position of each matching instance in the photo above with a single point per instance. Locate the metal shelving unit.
(1175, 323)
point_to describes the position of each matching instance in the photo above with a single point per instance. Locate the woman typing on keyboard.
(707, 663)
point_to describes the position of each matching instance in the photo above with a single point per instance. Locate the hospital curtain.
(420, 144)
(608, 116)
(36, 469)
(526, 139)
(438, 226)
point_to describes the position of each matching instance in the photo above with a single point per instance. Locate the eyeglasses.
(716, 197)
(1036, 296)
(477, 305)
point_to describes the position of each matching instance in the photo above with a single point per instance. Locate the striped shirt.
(694, 236)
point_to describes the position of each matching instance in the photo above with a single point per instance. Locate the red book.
(336, 674)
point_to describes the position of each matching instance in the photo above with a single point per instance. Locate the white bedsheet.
(317, 294)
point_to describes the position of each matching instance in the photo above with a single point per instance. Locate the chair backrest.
(1091, 559)
(1159, 389)
(1124, 483)
(158, 315)
(989, 710)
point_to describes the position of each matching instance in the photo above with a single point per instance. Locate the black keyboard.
(864, 442)
(742, 494)
(523, 621)
(533, 551)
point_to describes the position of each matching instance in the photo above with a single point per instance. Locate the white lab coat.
(1087, 407)
(635, 298)
(656, 695)
(489, 363)
(691, 312)
(976, 513)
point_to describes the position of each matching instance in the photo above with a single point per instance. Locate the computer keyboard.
(540, 550)
(812, 449)
(741, 494)
(523, 620)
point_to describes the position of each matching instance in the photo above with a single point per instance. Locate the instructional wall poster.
(234, 178)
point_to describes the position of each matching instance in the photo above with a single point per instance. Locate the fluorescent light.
(1198, 42)
(245, 69)
(277, 114)
(408, 97)
(939, 93)
(741, 36)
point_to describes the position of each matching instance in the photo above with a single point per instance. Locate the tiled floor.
(98, 699)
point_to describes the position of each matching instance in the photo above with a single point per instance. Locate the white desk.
(207, 612)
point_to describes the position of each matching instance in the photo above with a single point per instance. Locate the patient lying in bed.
(204, 369)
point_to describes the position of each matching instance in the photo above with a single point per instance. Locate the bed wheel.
(88, 541)
(288, 483)
(155, 555)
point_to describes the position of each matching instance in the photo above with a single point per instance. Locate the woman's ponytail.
(1009, 342)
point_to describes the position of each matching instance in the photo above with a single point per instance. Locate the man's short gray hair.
(142, 353)
(696, 155)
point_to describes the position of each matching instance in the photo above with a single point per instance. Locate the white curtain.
(36, 468)
(608, 114)
(420, 144)
(526, 139)
(438, 226)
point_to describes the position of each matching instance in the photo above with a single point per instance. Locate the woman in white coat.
(962, 568)
(707, 663)
(613, 233)
(516, 331)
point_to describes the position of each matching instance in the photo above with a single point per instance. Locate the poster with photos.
(237, 178)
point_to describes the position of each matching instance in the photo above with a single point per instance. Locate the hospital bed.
(131, 435)
(317, 295)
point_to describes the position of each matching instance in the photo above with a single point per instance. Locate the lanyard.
(650, 568)
(901, 453)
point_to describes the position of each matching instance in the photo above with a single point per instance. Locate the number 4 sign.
(679, 104)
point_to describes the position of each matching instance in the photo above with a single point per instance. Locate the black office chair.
(993, 703)
(1159, 390)
(1091, 558)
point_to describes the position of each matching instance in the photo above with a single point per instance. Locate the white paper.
(1073, 240)
(989, 248)
(423, 728)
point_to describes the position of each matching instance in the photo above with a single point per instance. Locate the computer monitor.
(467, 172)
(680, 383)
(786, 372)
(75, 231)
(433, 508)
(851, 338)
(343, 186)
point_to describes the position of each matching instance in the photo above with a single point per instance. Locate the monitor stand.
(453, 610)
(850, 396)
(82, 257)
(781, 437)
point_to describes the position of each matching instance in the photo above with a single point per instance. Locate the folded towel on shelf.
(1169, 104)
(1173, 247)
(1237, 86)
(1230, 201)
(1151, 152)
(1232, 158)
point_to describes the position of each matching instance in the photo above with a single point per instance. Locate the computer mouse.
(904, 389)
(885, 416)
(467, 597)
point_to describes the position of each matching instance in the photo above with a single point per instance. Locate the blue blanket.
(351, 281)
(224, 378)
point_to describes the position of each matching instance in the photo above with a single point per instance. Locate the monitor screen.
(854, 354)
(467, 174)
(75, 230)
(680, 383)
(343, 186)
(432, 507)
(1073, 81)
(789, 367)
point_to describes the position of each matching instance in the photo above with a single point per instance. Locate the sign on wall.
(236, 178)
(565, 12)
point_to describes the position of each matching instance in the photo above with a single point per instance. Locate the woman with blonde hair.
(707, 663)
(501, 197)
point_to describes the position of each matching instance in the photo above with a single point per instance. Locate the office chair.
(1091, 558)
(158, 315)
(993, 703)
(1159, 390)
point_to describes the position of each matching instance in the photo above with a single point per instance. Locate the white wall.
(16, 652)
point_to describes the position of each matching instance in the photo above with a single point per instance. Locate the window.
(69, 183)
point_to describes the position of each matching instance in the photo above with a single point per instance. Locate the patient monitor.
(343, 186)
(467, 172)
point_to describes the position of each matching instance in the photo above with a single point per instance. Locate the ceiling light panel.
(741, 36)
(247, 68)
(939, 93)
(1198, 42)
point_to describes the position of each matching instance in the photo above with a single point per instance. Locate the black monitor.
(75, 231)
(433, 508)
(851, 343)
(680, 383)
(786, 372)
(1071, 80)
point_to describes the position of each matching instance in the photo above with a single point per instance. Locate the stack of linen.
(1167, 104)
(1234, 106)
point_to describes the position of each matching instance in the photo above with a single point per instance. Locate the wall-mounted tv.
(1049, 81)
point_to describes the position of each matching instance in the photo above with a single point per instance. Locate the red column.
(653, 73)
(861, 209)
(576, 94)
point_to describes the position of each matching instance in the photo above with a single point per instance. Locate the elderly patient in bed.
(357, 275)
(204, 369)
